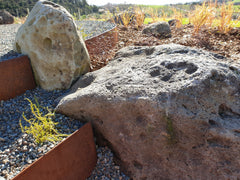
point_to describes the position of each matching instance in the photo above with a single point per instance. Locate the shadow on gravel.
(10, 55)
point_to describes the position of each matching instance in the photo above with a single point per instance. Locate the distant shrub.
(41, 127)
(203, 15)
(164, 15)
(20, 20)
(126, 18)
(139, 16)
(225, 23)
(178, 16)
(153, 13)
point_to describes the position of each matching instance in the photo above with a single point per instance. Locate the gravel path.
(17, 149)
(7, 37)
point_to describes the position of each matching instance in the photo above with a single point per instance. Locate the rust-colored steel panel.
(73, 159)
(16, 77)
(101, 48)
(102, 42)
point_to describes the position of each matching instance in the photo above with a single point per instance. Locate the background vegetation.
(19, 8)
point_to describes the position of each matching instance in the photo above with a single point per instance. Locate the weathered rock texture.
(158, 29)
(6, 17)
(173, 22)
(168, 112)
(57, 52)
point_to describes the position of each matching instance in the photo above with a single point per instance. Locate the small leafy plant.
(41, 127)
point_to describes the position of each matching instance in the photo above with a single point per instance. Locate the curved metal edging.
(103, 42)
(16, 77)
(73, 159)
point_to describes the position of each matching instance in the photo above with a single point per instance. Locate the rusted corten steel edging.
(16, 77)
(72, 159)
(102, 42)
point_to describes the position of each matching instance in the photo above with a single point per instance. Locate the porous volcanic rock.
(168, 112)
(6, 17)
(159, 29)
(173, 22)
(56, 49)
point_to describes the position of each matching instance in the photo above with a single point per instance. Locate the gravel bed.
(18, 150)
(8, 32)
(106, 168)
(7, 37)
(94, 28)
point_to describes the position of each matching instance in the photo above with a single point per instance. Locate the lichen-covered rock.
(57, 52)
(6, 17)
(168, 112)
(158, 29)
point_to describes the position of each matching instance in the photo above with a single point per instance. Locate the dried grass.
(126, 18)
(153, 13)
(225, 19)
(178, 16)
(20, 20)
(203, 16)
(139, 16)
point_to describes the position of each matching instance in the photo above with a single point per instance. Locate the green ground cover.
(235, 23)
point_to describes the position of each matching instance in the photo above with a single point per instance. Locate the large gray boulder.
(159, 29)
(56, 49)
(6, 17)
(168, 112)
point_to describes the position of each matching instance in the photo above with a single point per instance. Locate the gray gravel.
(106, 169)
(94, 28)
(7, 35)
(18, 149)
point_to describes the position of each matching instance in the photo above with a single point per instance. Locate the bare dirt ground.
(227, 45)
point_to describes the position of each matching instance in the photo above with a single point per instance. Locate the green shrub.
(41, 127)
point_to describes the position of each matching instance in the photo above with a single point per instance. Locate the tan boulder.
(57, 51)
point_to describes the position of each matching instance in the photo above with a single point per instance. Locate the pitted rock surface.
(57, 52)
(168, 112)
